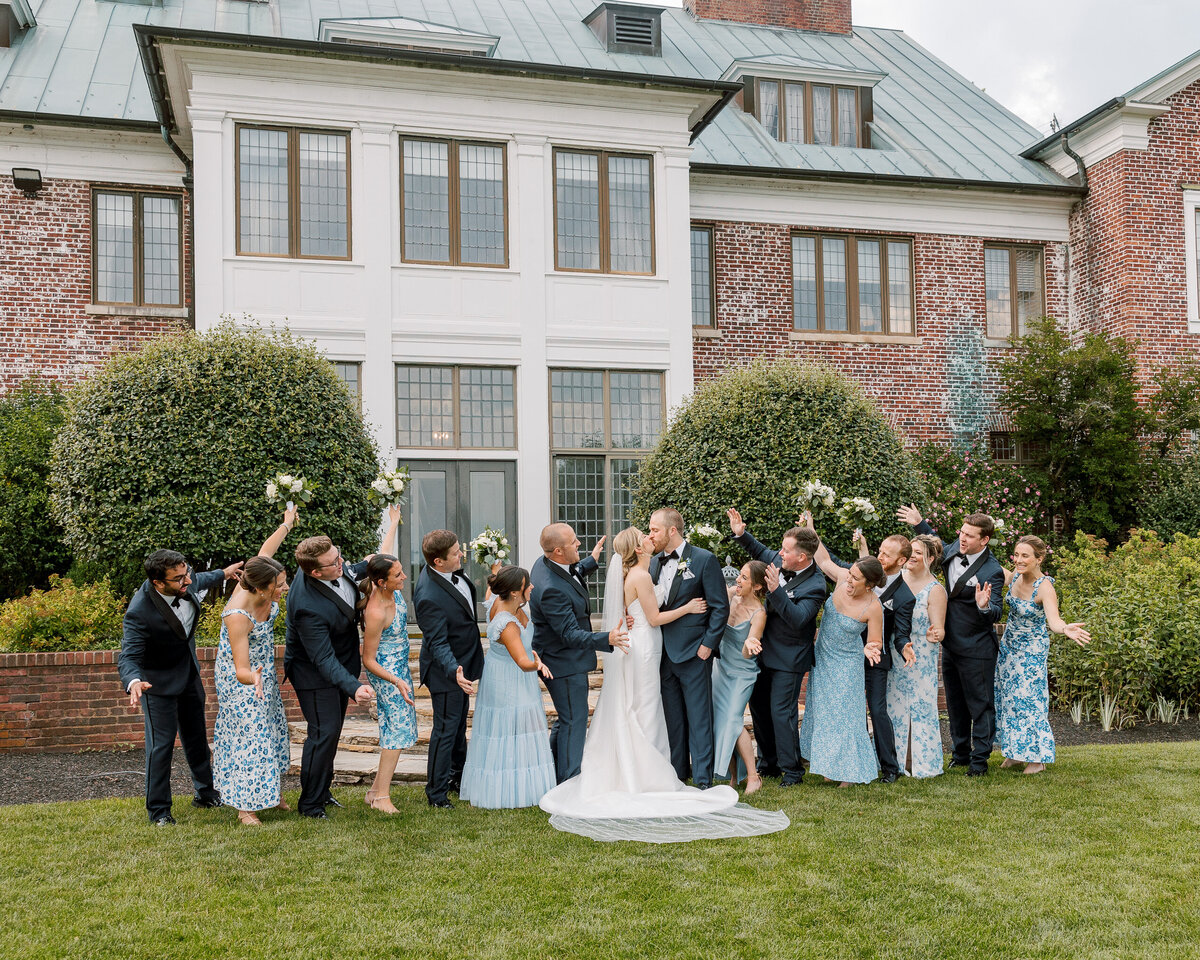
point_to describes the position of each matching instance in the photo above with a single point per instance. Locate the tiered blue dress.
(912, 698)
(397, 717)
(251, 746)
(732, 682)
(508, 756)
(1022, 694)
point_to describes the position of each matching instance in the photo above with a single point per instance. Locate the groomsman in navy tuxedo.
(970, 647)
(796, 593)
(451, 658)
(898, 602)
(563, 637)
(159, 670)
(689, 644)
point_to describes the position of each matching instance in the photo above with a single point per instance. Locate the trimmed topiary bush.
(31, 541)
(751, 438)
(1174, 505)
(63, 617)
(172, 446)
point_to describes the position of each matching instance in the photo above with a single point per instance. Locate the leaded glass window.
(703, 286)
(843, 283)
(455, 407)
(1014, 289)
(136, 248)
(603, 212)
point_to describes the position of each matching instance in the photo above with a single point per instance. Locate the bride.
(626, 770)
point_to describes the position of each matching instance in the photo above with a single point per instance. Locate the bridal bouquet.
(387, 489)
(490, 547)
(817, 498)
(289, 488)
(856, 512)
(705, 536)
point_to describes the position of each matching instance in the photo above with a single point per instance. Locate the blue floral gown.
(251, 746)
(837, 744)
(397, 718)
(1022, 693)
(912, 698)
(509, 763)
(732, 683)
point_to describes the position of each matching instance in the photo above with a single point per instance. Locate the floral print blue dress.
(251, 746)
(912, 698)
(1022, 693)
(397, 717)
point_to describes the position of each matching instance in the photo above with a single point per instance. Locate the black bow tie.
(455, 577)
(176, 602)
(965, 561)
(786, 575)
(673, 555)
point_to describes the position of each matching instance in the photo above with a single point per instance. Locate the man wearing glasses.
(159, 671)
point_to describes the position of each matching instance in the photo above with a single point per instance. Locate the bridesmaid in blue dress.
(912, 692)
(508, 756)
(251, 746)
(734, 673)
(840, 748)
(385, 655)
(1022, 694)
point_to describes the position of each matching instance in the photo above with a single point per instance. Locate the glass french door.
(463, 496)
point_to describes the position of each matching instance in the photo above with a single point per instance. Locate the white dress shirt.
(460, 585)
(666, 576)
(957, 569)
(880, 591)
(185, 613)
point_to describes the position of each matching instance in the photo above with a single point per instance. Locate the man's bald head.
(555, 536)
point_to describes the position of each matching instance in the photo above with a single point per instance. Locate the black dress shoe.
(206, 803)
(976, 771)
(163, 821)
(959, 763)
(770, 772)
(792, 781)
(331, 802)
(316, 815)
(442, 804)
(889, 778)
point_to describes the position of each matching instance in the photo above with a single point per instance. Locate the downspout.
(1086, 213)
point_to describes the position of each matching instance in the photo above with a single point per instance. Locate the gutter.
(1030, 153)
(72, 120)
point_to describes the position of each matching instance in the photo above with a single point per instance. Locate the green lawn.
(1100, 857)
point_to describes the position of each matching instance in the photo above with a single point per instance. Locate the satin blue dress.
(251, 746)
(1022, 692)
(837, 744)
(509, 763)
(397, 717)
(732, 682)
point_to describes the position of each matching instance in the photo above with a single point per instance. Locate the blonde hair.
(625, 546)
(933, 550)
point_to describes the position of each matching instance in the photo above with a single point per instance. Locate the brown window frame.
(138, 251)
(1024, 452)
(456, 403)
(357, 395)
(293, 201)
(605, 234)
(710, 229)
(1014, 316)
(861, 95)
(454, 211)
(852, 318)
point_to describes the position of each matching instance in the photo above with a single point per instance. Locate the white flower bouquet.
(999, 525)
(705, 536)
(490, 547)
(388, 489)
(817, 498)
(291, 488)
(856, 512)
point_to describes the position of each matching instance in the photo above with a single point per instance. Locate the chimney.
(826, 16)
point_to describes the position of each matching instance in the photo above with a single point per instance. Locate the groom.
(688, 643)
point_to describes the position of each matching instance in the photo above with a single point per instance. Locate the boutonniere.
(684, 569)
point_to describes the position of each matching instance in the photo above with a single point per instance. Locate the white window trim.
(1191, 203)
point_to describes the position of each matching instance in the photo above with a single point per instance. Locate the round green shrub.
(172, 446)
(752, 437)
(31, 541)
(1174, 505)
(65, 616)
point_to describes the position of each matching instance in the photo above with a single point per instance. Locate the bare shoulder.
(638, 576)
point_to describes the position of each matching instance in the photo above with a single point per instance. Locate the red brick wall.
(45, 285)
(828, 16)
(1127, 238)
(912, 383)
(73, 701)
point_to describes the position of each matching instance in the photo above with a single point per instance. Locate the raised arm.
(989, 597)
(374, 623)
(389, 538)
(833, 567)
(644, 588)
(271, 544)
(742, 536)
(1049, 599)
(798, 613)
(912, 516)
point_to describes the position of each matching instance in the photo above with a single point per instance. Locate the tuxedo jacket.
(322, 635)
(561, 613)
(970, 632)
(683, 638)
(898, 602)
(792, 610)
(154, 646)
(449, 632)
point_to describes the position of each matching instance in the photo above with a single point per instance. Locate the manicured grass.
(1097, 858)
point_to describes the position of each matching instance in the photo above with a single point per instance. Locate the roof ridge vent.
(627, 28)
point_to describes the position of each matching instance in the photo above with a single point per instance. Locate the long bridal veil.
(627, 788)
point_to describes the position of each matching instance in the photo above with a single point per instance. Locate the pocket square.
(688, 575)
(887, 604)
(973, 582)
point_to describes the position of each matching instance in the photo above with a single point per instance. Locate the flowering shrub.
(961, 483)
(62, 617)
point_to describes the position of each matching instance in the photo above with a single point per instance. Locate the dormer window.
(625, 28)
(805, 111)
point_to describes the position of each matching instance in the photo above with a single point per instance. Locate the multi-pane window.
(350, 373)
(603, 212)
(1013, 278)
(453, 202)
(704, 299)
(136, 250)
(601, 424)
(1005, 447)
(845, 283)
(293, 192)
(455, 407)
(801, 112)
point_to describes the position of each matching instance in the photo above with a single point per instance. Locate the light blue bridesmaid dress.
(732, 682)
(839, 746)
(508, 756)
(912, 698)
(1022, 693)
(397, 717)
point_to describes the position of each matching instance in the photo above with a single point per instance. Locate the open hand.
(772, 577)
(542, 668)
(136, 689)
(618, 639)
(696, 605)
(873, 653)
(234, 570)
(737, 526)
(405, 691)
(363, 694)
(909, 514)
(598, 549)
(752, 647)
(1077, 633)
(983, 595)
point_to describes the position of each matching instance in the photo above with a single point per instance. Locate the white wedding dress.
(626, 788)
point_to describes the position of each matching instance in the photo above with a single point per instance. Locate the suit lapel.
(891, 591)
(324, 590)
(168, 614)
(451, 589)
(684, 555)
(800, 578)
(573, 581)
(961, 583)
